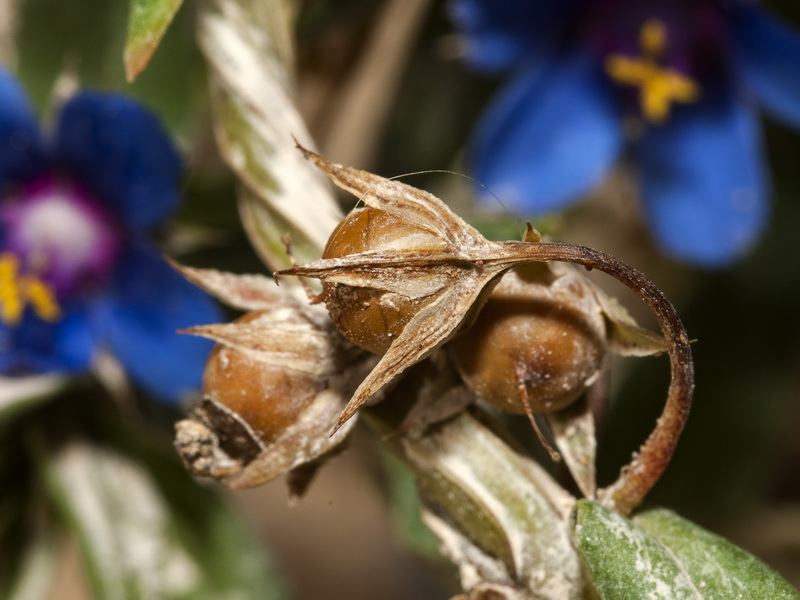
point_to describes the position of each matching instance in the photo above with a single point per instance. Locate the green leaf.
(720, 569)
(660, 556)
(121, 524)
(247, 44)
(497, 514)
(147, 23)
(624, 562)
(146, 530)
(37, 565)
(28, 533)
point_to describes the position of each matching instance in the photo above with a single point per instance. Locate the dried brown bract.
(274, 386)
(404, 275)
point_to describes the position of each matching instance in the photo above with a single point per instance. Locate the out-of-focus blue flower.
(673, 81)
(77, 275)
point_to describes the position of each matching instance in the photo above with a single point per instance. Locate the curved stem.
(640, 475)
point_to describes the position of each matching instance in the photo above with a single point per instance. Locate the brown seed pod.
(274, 385)
(268, 397)
(537, 344)
(372, 318)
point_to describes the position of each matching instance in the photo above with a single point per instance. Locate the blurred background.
(382, 88)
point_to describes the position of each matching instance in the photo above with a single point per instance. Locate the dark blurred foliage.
(736, 470)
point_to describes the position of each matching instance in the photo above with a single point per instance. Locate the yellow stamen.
(10, 302)
(41, 297)
(17, 291)
(653, 37)
(658, 86)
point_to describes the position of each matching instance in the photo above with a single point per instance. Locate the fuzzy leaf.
(147, 23)
(34, 563)
(720, 569)
(661, 556)
(497, 514)
(121, 523)
(248, 47)
(131, 526)
(626, 563)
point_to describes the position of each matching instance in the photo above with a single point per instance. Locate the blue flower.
(77, 274)
(673, 82)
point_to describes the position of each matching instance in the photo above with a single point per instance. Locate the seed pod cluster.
(405, 276)
(401, 278)
(536, 345)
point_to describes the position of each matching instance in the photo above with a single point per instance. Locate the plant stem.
(640, 475)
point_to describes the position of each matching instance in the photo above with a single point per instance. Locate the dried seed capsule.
(540, 338)
(268, 397)
(274, 386)
(368, 317)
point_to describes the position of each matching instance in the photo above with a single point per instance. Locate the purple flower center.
(664, 51)
(695, 31)
(57, 242)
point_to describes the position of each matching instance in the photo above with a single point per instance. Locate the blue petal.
(498, 33)
(146, 304)
(769, 59)
(35, 346)
(704, 181)
(550, 136)
(118, 150)
(21, 152)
